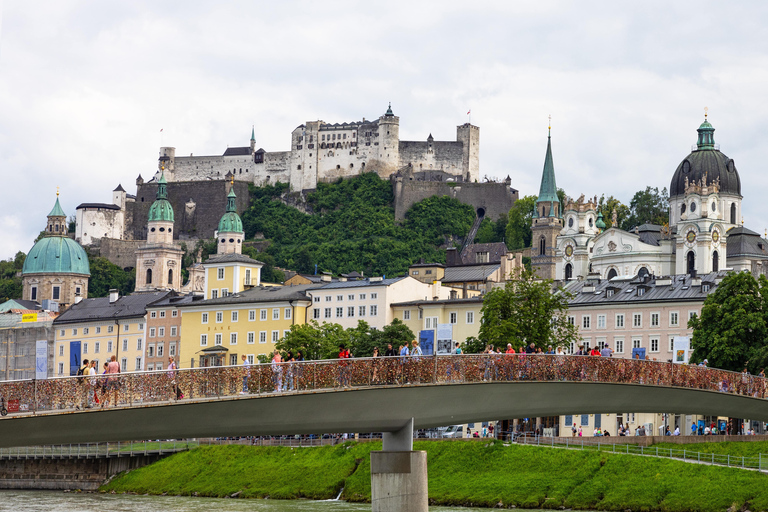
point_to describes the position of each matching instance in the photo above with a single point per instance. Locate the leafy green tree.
(491, 231)
(105, 276)
(10, 277)
(473, 345)
(518, 235)
(526, 311)
(607, 206)
(648, 206)
(396, 333)
(732, 331)
(313, 340)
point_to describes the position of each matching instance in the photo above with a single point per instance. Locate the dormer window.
(609, 293)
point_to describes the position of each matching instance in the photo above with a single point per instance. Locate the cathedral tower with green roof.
(158, 262)
(547, 220)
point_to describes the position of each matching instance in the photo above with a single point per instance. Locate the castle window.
(33, 295)
(149, 276)
(570, 222)
(693, 207)
(152, 230)
(682, 208)
(56, 293)
(590, 222)
(56, 228)
(170, 276)
(568, 272)
(338, 167)
(691, 262)
(298, 167)
(170, 229)
(351, 166)
(162, 230)
(715, 261)
(733, 213)
(542, 246)
(714, 206)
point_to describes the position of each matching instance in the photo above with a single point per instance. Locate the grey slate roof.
(231, 258)
(173, 299)
(469, 273)
(745, 242)
(119, 188)
(625, 290)
(243, 151)
(495, 251)
(18, 304)
(131, 306)
(357, 284)
(258, 294)
(108, 206)
(469, 300)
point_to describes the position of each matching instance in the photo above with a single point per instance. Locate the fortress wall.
(197, 206)
(445, 155)
(495, 198)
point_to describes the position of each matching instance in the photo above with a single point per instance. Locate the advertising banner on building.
(28, 317)
(681, 346)
(427, 341)
(41, 359)
(444, 337)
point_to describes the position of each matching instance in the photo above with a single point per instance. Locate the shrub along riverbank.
(460, 473)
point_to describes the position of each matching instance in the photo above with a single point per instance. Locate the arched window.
(691, 262)
(612, 273)
(542, 246)
(568, 272)
(642, 272)
(149, 276)
(733, 213)
(170, 276)
(715, 262)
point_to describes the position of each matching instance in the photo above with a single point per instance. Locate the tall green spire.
(253, 133)
(162, 192)
(548, 188)
(231, 200)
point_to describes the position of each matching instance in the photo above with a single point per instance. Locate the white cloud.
(85, 87)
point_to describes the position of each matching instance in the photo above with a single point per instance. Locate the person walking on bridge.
(113, 368)
(277, 371)
(246, 371)
(84, 390)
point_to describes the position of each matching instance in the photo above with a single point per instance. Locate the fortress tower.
(469, 136)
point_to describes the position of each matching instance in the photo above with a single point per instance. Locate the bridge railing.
(143, 388)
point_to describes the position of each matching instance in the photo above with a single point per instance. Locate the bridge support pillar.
(399, 474)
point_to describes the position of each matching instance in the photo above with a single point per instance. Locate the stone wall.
(495, 199)
(197, 207)
(120, 252)
(65, 473)
(446, 156)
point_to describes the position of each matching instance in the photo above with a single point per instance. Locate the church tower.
(547, 220)
(230, 232)
(158, 262)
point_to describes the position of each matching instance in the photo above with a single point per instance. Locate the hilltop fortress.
(319, 152)
(322, 152)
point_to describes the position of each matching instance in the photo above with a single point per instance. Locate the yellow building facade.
(463, 316)
(97, 329)
(218, 332)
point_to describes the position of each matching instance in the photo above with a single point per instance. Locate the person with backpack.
(84, 391)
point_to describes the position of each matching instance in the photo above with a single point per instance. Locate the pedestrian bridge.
(364, 395)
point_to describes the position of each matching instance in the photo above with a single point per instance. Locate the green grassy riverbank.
(460, 473)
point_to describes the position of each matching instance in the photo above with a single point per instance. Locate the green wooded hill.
(353, 228)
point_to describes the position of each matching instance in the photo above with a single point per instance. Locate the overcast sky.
(86, 86)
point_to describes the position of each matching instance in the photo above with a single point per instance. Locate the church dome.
(56, 255)
(230, 222)
(706, 159)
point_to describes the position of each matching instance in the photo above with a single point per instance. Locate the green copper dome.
(230, 222)
(161, 209)
(54, 255)
(600, 224)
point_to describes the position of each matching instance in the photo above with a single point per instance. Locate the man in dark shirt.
(530, 349)
(390, 351)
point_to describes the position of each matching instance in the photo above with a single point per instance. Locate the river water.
(57, 501)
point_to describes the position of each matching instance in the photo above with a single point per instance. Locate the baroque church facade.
(570, 241)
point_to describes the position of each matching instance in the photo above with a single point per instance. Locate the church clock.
(716, 236)
(690, 237)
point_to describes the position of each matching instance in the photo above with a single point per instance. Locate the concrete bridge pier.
(399, 474)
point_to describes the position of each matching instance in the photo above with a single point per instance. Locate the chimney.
(450, 257)
(113, 296)
(78, 298)
(436, 285)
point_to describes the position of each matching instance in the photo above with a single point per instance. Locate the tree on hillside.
(491, 231)
(518, 234)
(526, 311)
(732, 331)
(607, 206)
(105, 276)
(10, 277)
(649, 206)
